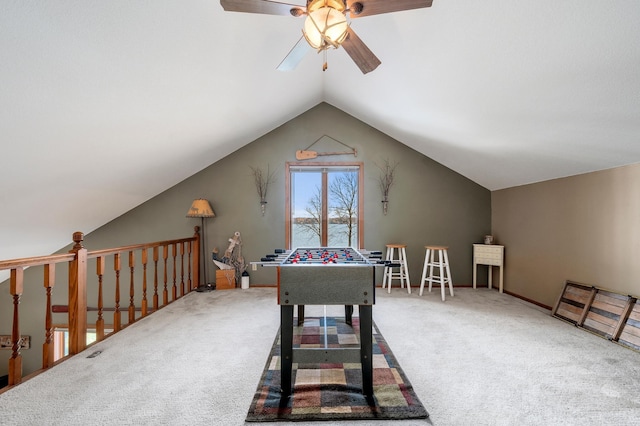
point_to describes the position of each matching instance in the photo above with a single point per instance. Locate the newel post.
(78, 296)
(15, 362)
(196, 257)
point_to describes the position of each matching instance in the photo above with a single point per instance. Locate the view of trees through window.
(324, 206)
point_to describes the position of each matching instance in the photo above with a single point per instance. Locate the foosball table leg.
(348, 314)
(366, 348)
(286, 348)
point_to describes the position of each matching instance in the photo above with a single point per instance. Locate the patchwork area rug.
(334, 391)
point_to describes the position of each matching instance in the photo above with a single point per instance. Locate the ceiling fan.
(326, 25)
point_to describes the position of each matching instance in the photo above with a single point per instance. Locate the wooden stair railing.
(185, 250)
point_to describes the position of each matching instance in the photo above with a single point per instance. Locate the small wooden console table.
(491, 255)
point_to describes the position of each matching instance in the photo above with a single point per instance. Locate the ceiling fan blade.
(261, 6)
(296, 54)
(360, 53)
(360, 8)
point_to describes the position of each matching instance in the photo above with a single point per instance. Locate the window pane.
(343, 209)
(306, 209)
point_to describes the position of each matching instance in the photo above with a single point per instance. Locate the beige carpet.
(480, 358)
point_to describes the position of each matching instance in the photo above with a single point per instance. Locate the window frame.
(315, 164)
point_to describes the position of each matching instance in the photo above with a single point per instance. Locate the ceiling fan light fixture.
(325, 27)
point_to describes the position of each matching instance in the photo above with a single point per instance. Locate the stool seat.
(396, 258)
(441, 265)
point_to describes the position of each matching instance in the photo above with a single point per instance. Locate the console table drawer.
(487, 250)
(486, 259)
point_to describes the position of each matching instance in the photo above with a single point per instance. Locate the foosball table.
(325, 276)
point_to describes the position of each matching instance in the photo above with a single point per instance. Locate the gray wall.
(429, 204)
(584, 228)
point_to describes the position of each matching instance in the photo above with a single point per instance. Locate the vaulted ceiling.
(107, 103)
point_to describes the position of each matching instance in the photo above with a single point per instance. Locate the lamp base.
(205, 288)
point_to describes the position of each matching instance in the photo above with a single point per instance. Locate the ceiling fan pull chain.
(324, 57)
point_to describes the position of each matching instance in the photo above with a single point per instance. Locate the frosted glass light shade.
(325, 27)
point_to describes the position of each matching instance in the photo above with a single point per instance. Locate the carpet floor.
(482, 358)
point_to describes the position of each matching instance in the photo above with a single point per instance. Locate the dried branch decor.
(387, 172)
(262, 180)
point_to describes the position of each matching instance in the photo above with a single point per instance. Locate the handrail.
(169, 254)
(25, 262)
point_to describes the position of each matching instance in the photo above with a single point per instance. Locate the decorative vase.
(385, 206)
(263, 206)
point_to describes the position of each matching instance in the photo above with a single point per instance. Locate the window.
(324, 205)
(61, 340)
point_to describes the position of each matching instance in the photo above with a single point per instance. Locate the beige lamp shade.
(200, 208)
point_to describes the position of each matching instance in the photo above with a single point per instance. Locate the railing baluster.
(117, 319)
(165, 292)
(47, 346)
(15, 362)
(144, 282)
(174, 288)
(100, 269)
(155, 278)
(132, 306)
(189, 282)
(181, 269)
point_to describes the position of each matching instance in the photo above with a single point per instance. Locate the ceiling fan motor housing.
(313, 5)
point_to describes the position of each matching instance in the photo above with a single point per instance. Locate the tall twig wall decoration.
(387, 171)
(262, 180)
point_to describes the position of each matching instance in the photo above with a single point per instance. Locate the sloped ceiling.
(107, 103)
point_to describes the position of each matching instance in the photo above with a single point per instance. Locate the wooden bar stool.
(441, 265)
(396, 258)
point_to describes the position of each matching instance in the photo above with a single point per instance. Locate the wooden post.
(78, 296)
(15, 362)
(197, 279)
(47, 346)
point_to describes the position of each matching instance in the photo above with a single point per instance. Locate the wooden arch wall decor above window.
(324, 204)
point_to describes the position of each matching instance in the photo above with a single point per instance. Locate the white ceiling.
(107, 103)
